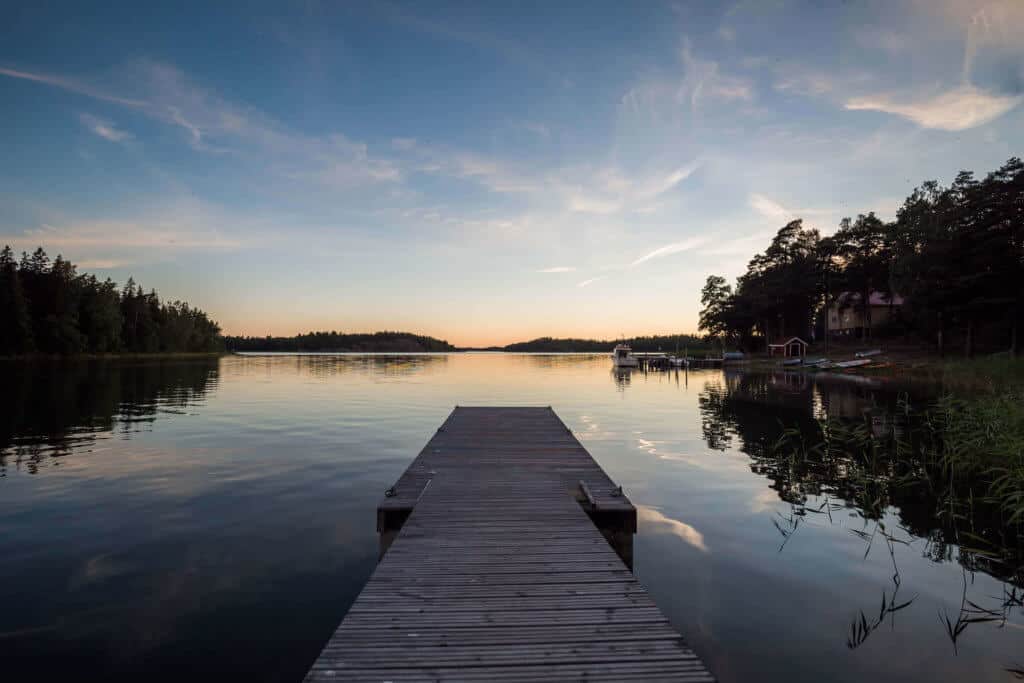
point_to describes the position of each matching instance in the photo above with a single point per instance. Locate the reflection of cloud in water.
(593, 431)
(97, 568)
(661, 523)
(766, 499)
(702, 461)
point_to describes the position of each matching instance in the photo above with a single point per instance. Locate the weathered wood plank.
(498, 573)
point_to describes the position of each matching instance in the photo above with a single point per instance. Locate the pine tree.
(15, 324)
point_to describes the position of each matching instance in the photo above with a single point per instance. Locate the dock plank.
(498, 571)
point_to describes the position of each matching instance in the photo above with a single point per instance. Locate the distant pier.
(504, 557)
(662, 361)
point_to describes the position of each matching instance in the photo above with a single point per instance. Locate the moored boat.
(622, 357)
(851, 363)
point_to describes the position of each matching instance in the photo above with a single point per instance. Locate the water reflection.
(51, 409)
(220, 516)
(624, 377)
(327, 365)
(779, 421)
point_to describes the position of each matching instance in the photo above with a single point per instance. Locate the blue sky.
(482, 172)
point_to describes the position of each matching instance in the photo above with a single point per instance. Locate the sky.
(480, 172)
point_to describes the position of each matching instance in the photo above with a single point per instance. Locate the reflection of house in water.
(842, 400)
(852, 401)
(793, 382)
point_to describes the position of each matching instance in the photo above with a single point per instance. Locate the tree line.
(48, 307)
(384, 342)
(955, 254)
(666, 343)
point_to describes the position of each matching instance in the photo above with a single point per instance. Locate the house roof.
(781, 341)
(880, 299)
(875, 299)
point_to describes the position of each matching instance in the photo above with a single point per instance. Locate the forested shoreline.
(404, 342)
(380, 342)
(667, 342)
(955, 254)
(47, 307)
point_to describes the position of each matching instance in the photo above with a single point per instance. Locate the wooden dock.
(494, 568)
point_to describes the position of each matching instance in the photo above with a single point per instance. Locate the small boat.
(678, 362)
(622, 357)
(792, 361)
(851, 363)
(868, 354)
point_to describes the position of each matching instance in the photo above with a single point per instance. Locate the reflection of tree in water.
(854, 444)
(833, 447)
(326, 365)
(49, 409)
(559, 360)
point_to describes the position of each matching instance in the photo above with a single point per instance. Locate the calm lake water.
(182, 517)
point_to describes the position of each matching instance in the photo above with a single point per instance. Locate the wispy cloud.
(660, 185)
(582, 203)
(511, 51)
(106, 234)
(769, 208)
(214, 124)
(589, 189)
(72, 85)
(702, 81)
(802, 80)
(158, 230)
(104, 129)
(538, 129)
(738, 246)
(958, 109)
(609, 190)
(100, 264)
(587, 283)
(987, 25)
(669, 249)
(558, 269)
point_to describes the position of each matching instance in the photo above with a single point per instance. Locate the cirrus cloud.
(669, 249)
(961, 108)
(104, 129)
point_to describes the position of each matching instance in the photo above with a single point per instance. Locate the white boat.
(622, 357)
(868, 354)
(678, 362)
(851, 363)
